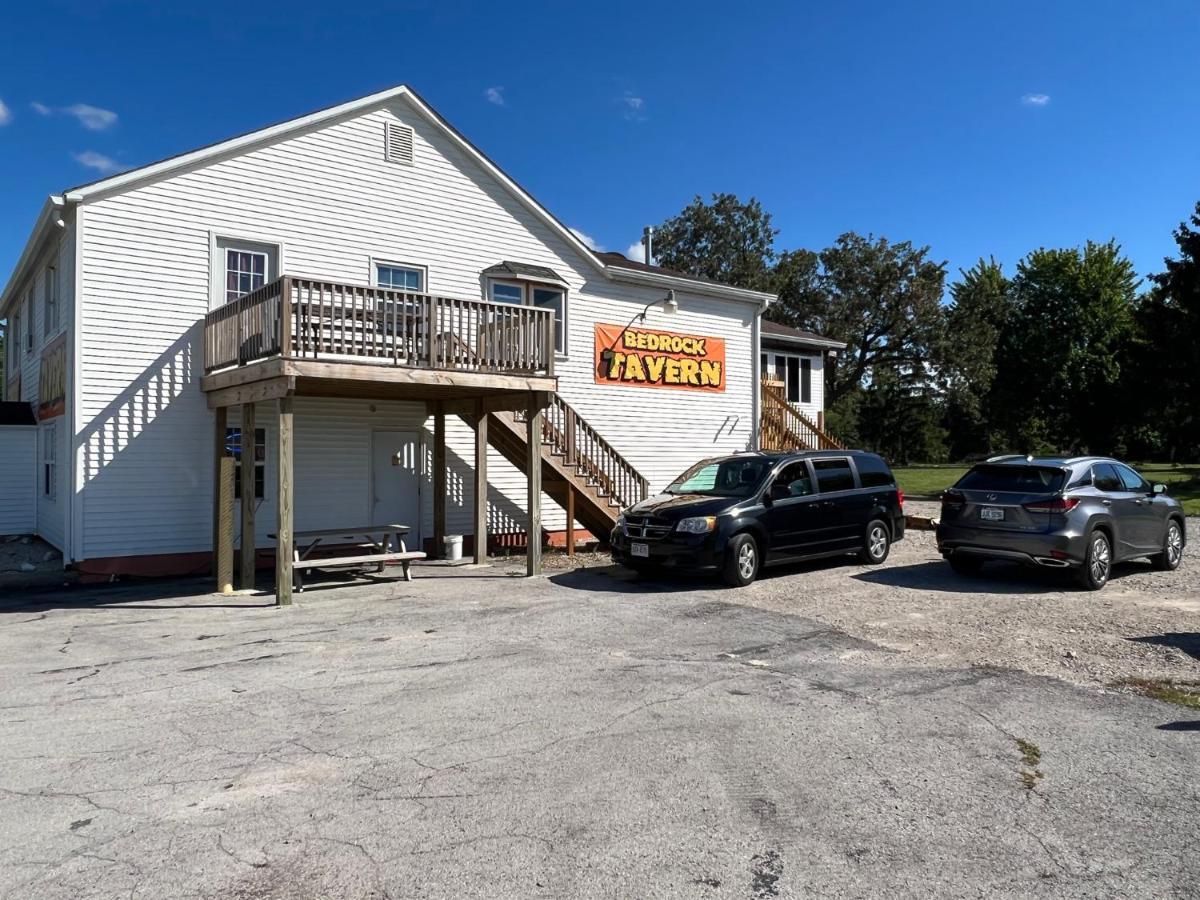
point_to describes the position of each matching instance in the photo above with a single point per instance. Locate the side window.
(873, 472)
(240, 267)
(796, 478)
(1132, 480)
(833, 475)
(1105, 478)
(403, 278)
(233, 447)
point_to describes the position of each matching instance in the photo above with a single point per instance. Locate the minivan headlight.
(697, 525)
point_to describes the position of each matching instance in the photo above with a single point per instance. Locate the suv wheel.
(877, 543)
(965, 565)
(1172, 552)
(1097, 562)
(741, 561)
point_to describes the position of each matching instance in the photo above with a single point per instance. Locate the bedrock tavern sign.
(659, 359)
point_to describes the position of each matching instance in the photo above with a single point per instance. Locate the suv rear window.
(873, 472)
(1015, 479)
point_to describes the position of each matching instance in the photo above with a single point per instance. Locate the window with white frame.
(245, 271)
(400, 277)
(53, 317)
(49, 435)
(15, 337)
(543, 296)
(233, 447)
(794, 371)
(30, 298)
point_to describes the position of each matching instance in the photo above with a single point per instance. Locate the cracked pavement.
(474, 734)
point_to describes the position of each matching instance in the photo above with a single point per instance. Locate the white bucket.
(453, 547)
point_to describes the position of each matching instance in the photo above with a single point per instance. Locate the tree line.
(1067, 352)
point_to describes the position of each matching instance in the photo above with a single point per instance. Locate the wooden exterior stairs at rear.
(783, 427)
(581, 471)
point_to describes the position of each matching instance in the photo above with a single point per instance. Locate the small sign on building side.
(52, 379)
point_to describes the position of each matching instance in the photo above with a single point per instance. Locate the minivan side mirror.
(1158, 487)
(778, 491)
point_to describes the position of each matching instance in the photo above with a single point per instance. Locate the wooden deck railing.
(784, 427)
(313, 319)
(568, 434)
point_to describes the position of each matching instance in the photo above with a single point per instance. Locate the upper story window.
(29, 316)
(53, 316)
(401, 278)
(552, 298)
(503, 292)
(14, 352)
(245, 271)
(241, 266)
(793, 371)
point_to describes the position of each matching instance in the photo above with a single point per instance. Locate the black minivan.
(734, 514)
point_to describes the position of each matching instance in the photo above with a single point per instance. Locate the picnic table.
(382, 544)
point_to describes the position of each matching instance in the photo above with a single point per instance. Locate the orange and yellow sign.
(52, 380)
(643, 357)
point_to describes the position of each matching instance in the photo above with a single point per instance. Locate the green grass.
(1183, 481)
(1181, 693)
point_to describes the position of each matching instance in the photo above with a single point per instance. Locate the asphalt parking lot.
(475, 734)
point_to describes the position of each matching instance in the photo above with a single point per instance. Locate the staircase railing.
(783, 427)
(583, 448)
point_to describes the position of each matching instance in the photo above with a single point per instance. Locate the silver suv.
(1082, 513)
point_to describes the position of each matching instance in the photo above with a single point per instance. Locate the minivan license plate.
(991, 513)
(636, 549)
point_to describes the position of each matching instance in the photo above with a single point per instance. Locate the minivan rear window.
(873, 471)
(1014, 479)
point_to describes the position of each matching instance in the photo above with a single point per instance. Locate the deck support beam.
(283, 506)
(249, 552)
(481, 440)
(533, 473)
(439, 479)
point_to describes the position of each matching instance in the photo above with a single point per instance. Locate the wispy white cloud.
(495, 95)
(93, 118)
(5, 114)
(634, 107)
(98, 161)
(1035, 99)
(589, 241)
(636, 252)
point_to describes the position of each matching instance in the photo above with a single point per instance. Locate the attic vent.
(398, 143)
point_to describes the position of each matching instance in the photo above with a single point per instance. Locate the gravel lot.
(1142, 625)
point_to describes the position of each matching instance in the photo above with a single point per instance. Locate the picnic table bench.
(382, 543)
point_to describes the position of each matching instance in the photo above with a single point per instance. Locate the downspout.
(756, 376)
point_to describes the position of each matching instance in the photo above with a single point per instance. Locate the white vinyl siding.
(332, 200)
(18, 480)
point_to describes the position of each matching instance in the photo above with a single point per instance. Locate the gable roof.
(133, 177)
(774, 333)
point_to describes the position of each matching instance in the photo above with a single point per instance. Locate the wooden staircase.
(783, 427)
(581, 471)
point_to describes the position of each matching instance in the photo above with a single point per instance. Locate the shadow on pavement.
(1193, 725)
(1188, 642)
(997, 578)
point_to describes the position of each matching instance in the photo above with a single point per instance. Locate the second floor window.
(29, 316)
(401, 278)
(52, 306)
(245, 271)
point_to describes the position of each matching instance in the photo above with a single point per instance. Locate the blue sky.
(979, 129)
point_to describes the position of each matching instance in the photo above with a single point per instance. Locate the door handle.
(1139, 501)
(1106, 502)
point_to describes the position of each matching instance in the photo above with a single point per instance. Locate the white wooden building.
(368, 278)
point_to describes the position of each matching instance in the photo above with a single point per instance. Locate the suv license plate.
(636, 549)
(991, 513)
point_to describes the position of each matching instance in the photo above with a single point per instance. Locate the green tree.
(1165, 358)
(726, 240)
(1058, 357)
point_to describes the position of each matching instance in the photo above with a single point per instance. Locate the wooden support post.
(481, 440)
(249, 552)
(283, 507)
(220, 422)
(439, 479)
(570, 520)
(223, 552)
(533, 477)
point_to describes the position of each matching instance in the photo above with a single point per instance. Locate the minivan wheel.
(741, 561)
(877, 543)
(1172, 552)
(1097, 562)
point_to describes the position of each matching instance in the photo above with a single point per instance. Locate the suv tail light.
(900, 494)
(952, 498)
(1054, 505)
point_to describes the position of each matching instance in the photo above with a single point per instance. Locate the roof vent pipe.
(648, 244)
